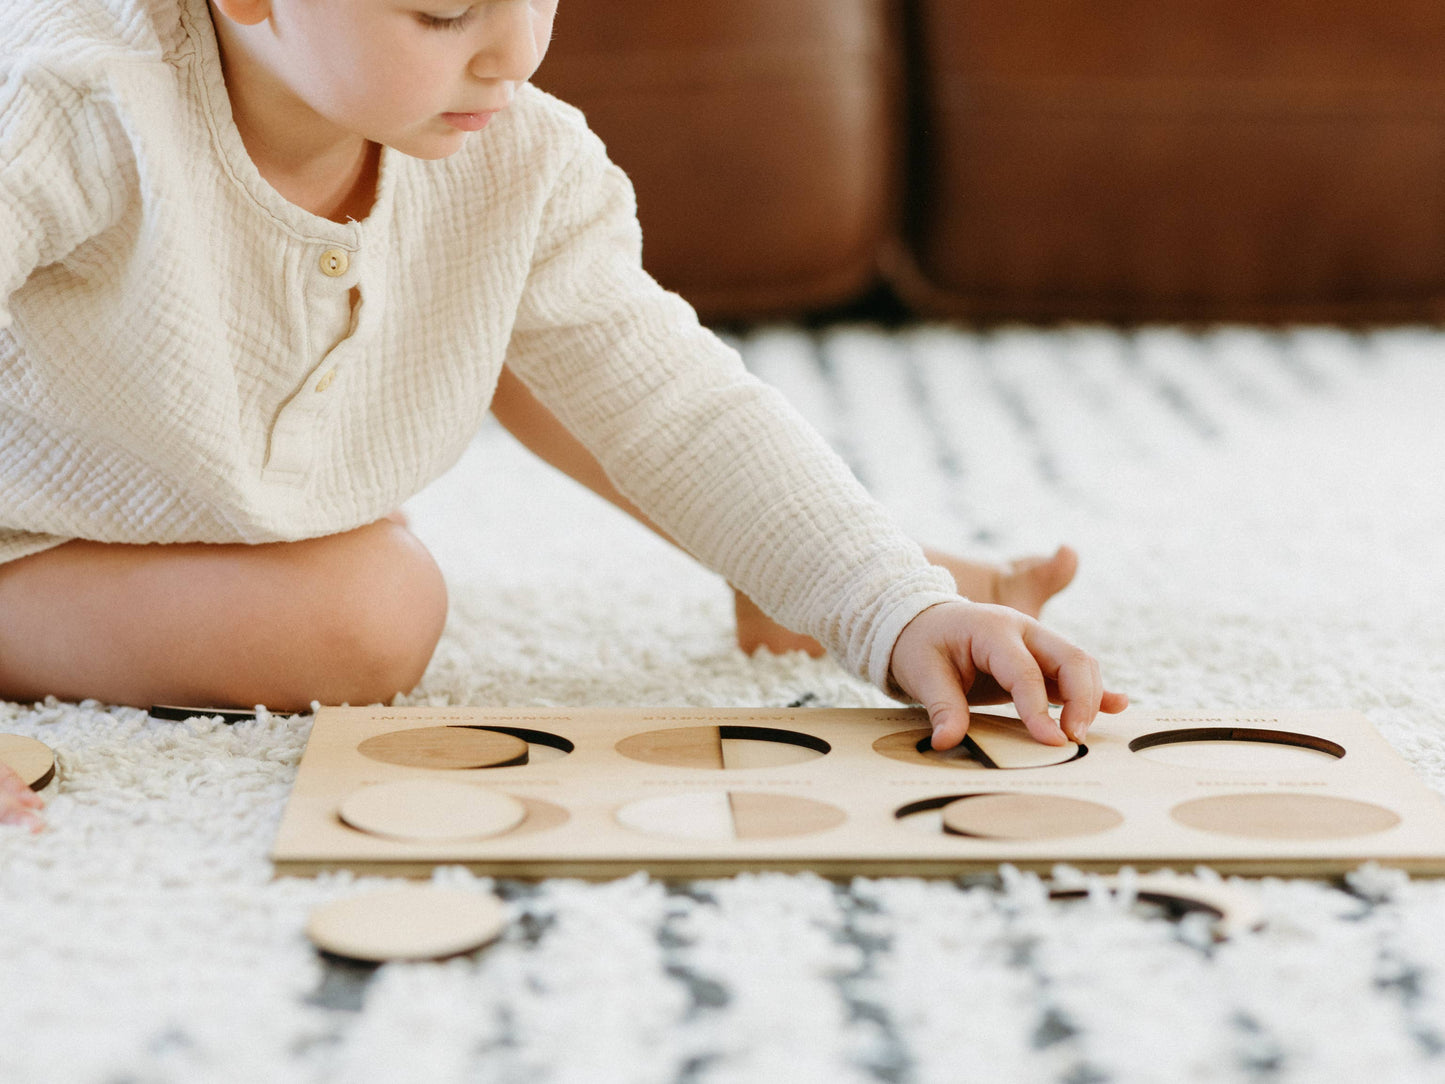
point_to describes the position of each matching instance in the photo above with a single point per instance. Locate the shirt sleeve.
(56, 173)
(714, 456)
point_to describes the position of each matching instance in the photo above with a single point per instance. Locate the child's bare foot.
(18, 803)
(1025, 585)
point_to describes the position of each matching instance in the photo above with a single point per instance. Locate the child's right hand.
(961, 652)
(18, 803)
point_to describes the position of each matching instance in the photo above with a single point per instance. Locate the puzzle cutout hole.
(1284, 816)
(1238, 749)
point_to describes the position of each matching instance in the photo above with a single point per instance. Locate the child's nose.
(510, 49)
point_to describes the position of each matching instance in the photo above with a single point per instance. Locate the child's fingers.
(936, 685)
(1074, 675)
(1015, 668)
(955, 653)
(18, 803)
(1113, 703)
(13, 789)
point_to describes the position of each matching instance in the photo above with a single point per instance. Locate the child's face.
(416, 75)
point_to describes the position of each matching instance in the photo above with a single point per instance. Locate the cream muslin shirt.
(187, 357)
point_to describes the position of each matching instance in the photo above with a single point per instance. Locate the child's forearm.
(539, 431)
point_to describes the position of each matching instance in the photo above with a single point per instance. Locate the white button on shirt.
(335, 262)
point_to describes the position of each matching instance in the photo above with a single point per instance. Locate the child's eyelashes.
(434, 21)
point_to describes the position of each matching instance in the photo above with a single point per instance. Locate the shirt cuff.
(890, 627)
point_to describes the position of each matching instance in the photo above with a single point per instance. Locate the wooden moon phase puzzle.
(692, 792)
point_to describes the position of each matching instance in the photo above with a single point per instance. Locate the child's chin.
(429, 148)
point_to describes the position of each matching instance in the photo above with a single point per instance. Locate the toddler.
(264, 267)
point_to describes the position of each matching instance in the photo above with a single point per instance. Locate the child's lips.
(470, 122)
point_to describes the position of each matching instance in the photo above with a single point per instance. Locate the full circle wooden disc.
(1284, 816)
(413, 923)
(446, 747)
(431, 810)
(1027, 816)
(33, 761)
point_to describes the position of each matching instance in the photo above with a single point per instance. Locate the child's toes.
(1028, 583)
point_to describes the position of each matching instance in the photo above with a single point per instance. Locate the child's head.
(415, 75)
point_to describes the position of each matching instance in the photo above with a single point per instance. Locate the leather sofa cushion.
(761, 137)
(1147, 159)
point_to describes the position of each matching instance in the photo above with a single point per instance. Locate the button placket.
(295, 431)
(335, 263)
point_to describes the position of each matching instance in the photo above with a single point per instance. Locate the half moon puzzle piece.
(446, 747)
(1005, 743)
(431, 810)
(724, 816)
(33, 761)
(413, 923)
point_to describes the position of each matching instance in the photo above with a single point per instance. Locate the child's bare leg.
(352, 617)
(349, 617)
(1025, 585)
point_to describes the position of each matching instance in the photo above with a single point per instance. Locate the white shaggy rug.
(1260, 517)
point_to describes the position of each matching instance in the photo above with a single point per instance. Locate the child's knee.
(378, 632)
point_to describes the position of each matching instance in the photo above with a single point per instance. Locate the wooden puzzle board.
(1306, 793)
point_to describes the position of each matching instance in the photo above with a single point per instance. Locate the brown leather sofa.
(1036, 159)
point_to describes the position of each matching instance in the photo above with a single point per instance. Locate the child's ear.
(244, 12)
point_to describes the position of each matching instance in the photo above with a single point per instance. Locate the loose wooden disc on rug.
(1027, 816)
(431, 810)
(413, 923)
(446, 747)
(1284, 816)
(33, 761)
